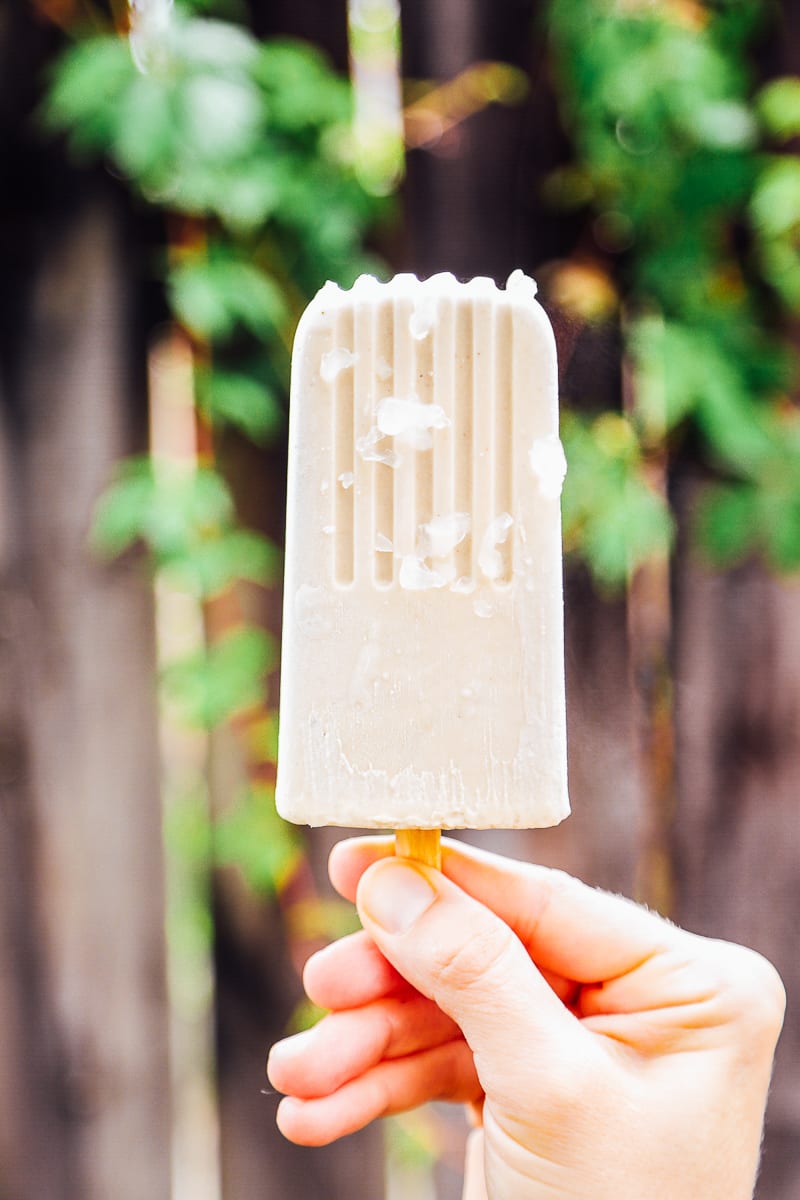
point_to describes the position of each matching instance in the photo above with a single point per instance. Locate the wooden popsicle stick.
(422, 845)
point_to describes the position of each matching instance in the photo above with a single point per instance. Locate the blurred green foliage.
(698, 225)
(617, 520)
(252, 837)
(187, 520)
(242, 138)
(246, 149)
(211, 685)
(685, 178)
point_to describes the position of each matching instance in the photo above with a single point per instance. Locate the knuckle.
(559, 887)
(766, 996)
(756, 995)
(475, 961)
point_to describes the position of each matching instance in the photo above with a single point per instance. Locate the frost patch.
(416, 576)
(367, 447)
(423, 318)
(483, 606)
(489, 559)
(334, 362)
(548, 465)
(439, 536)
(411, 421)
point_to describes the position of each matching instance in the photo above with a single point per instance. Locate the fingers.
(350, 973)
(454, 950)
(350, 858)
(347, 1044)
(570, 930)
(443, 1073)
(690, 995)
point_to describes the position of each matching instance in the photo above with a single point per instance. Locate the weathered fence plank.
(82, 826)
(737, 821)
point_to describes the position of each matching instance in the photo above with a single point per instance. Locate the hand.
(612, 1055)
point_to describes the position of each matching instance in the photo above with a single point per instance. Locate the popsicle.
(422, 683)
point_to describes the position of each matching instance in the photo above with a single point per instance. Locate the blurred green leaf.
(210, 686)
(211, 297)
(779, 107)
(213, 564)
(249, 195)
(185, 518)
(670, 374)
(684, 370)
(253, 837)
(782, 529)
(169, 506)
(144, 134)
(187, 828)
(248, 404)
(315, 918)
(735, 520)
(262, 738)
(205, 42)
(221, 118)
(775, 203)
(305, 1016)
(780, 260)
(609, 509)
(303, 92)
(189, 924)
(88, 82)
(727, 522)
(723, 124)
(120, 517)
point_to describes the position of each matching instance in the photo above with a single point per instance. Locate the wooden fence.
(84, 1081)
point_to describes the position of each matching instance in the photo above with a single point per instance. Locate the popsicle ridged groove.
(463, 432)
(344, 393)
(405, 484)
(423, 390)
(382, 533)
(482, 396)
(385, 488)
(502, 457)
(443, 365)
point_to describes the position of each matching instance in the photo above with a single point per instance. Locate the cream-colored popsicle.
(422, 680)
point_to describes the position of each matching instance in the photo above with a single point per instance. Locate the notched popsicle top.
(418, 386)
(422, 680)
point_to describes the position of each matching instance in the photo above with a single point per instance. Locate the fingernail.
(395, 895)
(289, 1047)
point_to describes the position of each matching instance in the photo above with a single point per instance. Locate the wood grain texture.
(82, 943)
(736, 834)
(422, 845)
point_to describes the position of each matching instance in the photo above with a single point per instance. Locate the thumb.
(461, 955)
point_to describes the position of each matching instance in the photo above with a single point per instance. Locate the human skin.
(603, 1051)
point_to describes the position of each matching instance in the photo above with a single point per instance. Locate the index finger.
(568, 928)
